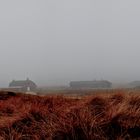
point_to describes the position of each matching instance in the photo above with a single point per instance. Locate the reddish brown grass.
(105, 116)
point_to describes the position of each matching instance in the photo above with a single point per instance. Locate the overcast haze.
(55, 41)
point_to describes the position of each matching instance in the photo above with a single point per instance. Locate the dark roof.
(134, 84)
(102, 83)
(91, 82)
(22, 83)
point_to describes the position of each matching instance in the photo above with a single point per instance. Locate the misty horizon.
(55, 42)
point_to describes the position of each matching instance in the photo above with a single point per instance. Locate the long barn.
(91, 84)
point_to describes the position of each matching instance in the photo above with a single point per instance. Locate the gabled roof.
(22, 83)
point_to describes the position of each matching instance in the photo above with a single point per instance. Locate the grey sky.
(56, 41)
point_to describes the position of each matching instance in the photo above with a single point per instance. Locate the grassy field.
(103, 115)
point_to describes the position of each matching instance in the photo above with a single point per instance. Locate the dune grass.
(107, 116)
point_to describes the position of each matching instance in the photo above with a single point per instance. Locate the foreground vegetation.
(104, 116)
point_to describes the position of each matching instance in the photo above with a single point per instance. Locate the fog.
(56, 41)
